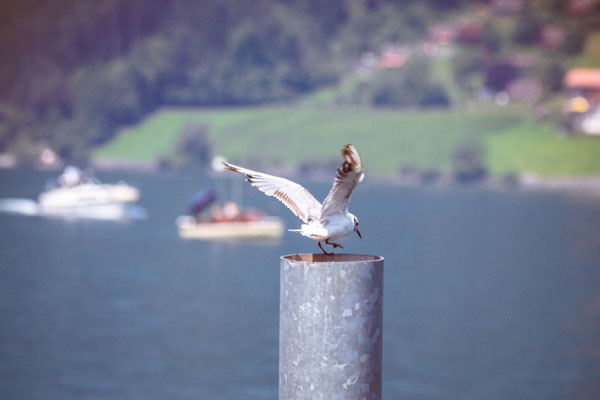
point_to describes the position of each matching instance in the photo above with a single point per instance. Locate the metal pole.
(330, 327)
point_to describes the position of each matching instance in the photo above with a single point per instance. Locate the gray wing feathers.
(292, 195)
(348, 175)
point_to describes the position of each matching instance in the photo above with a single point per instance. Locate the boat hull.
(87, 194)
(109, 211)
(269, 228)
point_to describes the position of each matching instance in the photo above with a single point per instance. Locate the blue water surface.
(488, 294)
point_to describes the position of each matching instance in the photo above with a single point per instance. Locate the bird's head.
(355, 219)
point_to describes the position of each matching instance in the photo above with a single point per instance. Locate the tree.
(574, 42)
(528, 27)
(499, 75)
(491, 38)
(194, 148)
(408, 86)
(467, 66)
(468, 163)
(434, 95)
(552, 77)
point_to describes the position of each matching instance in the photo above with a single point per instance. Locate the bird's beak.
(357, 232)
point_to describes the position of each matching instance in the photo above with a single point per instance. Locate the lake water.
(488, 295)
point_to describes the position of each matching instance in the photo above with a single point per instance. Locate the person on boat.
(216, 214)
(231, 211)
(71, 176)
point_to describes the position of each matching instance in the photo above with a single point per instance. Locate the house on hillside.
(583, 99)
(393, 57)
(580, 7)
(552, 36)
(442, 34)
(509, 7)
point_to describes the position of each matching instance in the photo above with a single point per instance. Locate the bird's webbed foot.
(323, 250)
(335, 245)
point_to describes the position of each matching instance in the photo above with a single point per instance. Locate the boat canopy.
(201, 200)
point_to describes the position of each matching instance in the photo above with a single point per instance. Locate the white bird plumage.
(322, 222)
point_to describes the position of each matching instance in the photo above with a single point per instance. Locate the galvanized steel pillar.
(330, 327)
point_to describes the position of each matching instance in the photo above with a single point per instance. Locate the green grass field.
(386, 139)
(530, 147)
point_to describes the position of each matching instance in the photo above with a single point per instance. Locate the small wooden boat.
(261, 227)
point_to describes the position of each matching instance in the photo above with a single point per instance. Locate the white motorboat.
(108, 211)
(88, 194)
(79, 196)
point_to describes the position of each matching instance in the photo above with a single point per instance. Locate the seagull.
(322, 222)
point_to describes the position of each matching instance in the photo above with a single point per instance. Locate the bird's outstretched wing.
(292, 195)
(348, 175)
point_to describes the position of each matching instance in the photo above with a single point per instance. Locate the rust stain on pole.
(330, 327)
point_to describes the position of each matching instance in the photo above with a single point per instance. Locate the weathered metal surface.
(330, 327)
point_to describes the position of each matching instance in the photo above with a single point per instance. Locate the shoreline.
(589, 185)
(526, 181)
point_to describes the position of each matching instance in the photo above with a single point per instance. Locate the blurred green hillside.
(388, 140)
(75, 72)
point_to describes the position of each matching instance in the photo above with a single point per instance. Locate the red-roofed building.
(587, 79)
(583, 99)
(393, 57)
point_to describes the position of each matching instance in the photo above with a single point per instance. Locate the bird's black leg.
(323, 250)
(335, 245)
